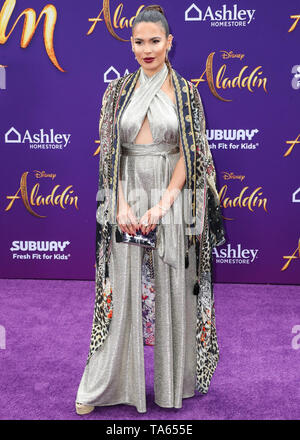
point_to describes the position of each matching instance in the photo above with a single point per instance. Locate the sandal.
(83, 409)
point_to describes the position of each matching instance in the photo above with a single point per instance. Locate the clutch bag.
(139, 239)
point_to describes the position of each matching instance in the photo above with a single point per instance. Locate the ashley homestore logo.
(226, 16)
(235, 254)
(38, 141)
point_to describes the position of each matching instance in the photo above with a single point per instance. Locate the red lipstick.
(148, 60)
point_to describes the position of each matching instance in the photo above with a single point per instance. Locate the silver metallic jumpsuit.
(115, 373)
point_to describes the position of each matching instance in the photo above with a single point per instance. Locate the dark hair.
(153, 14)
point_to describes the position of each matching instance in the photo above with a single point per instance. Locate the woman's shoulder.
(184, 80)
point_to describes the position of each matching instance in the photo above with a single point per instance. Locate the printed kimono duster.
(205, 203)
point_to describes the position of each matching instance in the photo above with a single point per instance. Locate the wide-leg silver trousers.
(116, 371)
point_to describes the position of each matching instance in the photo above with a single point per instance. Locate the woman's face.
(149, 41)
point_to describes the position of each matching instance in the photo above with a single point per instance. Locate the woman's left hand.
(152, 217)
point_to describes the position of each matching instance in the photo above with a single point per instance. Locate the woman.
(152, 136)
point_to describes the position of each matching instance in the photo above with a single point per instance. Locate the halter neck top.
(148, 99)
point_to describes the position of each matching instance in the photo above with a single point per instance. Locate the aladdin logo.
(32, 198)
(253, 200)
(114, 22)
(292, 257)
(220, 17)
(231, 255)
(296, 18)
(38, 141)
(42, 246)
(243, 79)
(29, 27)
(293, 143)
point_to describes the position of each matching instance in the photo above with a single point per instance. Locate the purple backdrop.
(243, 57)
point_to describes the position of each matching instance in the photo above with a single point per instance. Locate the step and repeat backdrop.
(56, 59)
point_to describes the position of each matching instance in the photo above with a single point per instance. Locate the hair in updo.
(153, 14)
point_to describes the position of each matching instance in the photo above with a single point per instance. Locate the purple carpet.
(45, 330)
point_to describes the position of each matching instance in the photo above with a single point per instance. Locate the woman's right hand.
(126, 219)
